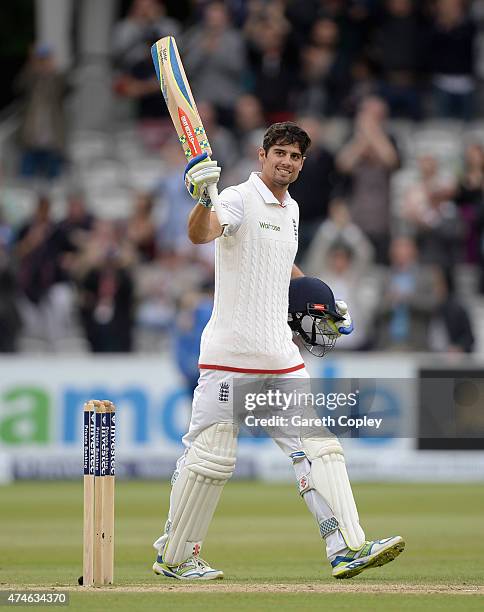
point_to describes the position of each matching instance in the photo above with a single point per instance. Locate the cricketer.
(256, 238)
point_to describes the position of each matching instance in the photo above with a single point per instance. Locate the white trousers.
(213, 402)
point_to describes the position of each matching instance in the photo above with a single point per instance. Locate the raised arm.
(203, 225)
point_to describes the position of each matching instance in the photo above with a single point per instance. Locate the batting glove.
(344, 327)
(199, 173)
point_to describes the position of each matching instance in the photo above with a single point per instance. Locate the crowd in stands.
(107, 284)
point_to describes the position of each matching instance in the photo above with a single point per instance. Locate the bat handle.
(213, 193)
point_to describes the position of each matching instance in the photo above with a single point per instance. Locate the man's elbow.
(196, 238)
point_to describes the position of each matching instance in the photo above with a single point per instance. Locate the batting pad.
(209, 463)
(330, 479)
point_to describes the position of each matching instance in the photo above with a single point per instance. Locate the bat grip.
(213, 193)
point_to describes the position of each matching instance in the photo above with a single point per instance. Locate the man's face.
(282, 164)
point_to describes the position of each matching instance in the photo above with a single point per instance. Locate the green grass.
(261, 534)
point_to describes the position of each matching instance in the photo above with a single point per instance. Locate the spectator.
(363, 84)
(214, 57)
(194, 311)
(222, 141)
(409, 299)
(107, 291)
(140, 84)
(249, 118)
(433, 218)
(135, 78)
(146, 21)
(341, 255)
(248, 160)
(69, 235)
(397, 49)
(324, 69)
(450, 53)
(338, 229)
(10, 322)
(451, 327)
(36, 263)
(469, 197)
(369, 159)
(316, 183)
(141, 227)
(42, 124)
(274, 72)
(173, 202)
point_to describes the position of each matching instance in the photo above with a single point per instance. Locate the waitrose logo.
(269, 226)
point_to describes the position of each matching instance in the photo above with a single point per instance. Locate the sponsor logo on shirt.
(269, 226)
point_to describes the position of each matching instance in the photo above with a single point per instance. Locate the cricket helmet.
(313, 314)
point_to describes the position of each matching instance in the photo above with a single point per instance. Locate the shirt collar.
(266, 193)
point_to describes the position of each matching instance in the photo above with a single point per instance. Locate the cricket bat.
(181, 105)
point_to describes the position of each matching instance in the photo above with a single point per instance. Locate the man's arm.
(203, 225)
(296, 272)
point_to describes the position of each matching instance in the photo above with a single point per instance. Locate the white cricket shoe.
(372, 554)
(193, 568)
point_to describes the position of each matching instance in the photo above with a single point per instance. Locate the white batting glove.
(199, 173)
(344, 327)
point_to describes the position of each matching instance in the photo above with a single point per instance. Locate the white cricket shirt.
(248, 330)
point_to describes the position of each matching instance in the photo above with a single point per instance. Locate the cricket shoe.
(193, 568)
(372, 554)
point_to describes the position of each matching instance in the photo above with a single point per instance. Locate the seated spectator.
(42, 123)
(369, 159)
(450, 55)
(409, 299)
(215, 61)
(316, 183)
(433, 218)
(451, 327)
(341, 255)
(141, 227)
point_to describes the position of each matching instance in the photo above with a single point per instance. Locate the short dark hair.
(285, 133)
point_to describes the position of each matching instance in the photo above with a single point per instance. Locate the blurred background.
(101, 293)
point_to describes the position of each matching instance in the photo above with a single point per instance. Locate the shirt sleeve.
(232, 210)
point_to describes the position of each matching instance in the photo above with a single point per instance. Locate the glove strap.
(205, 201)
